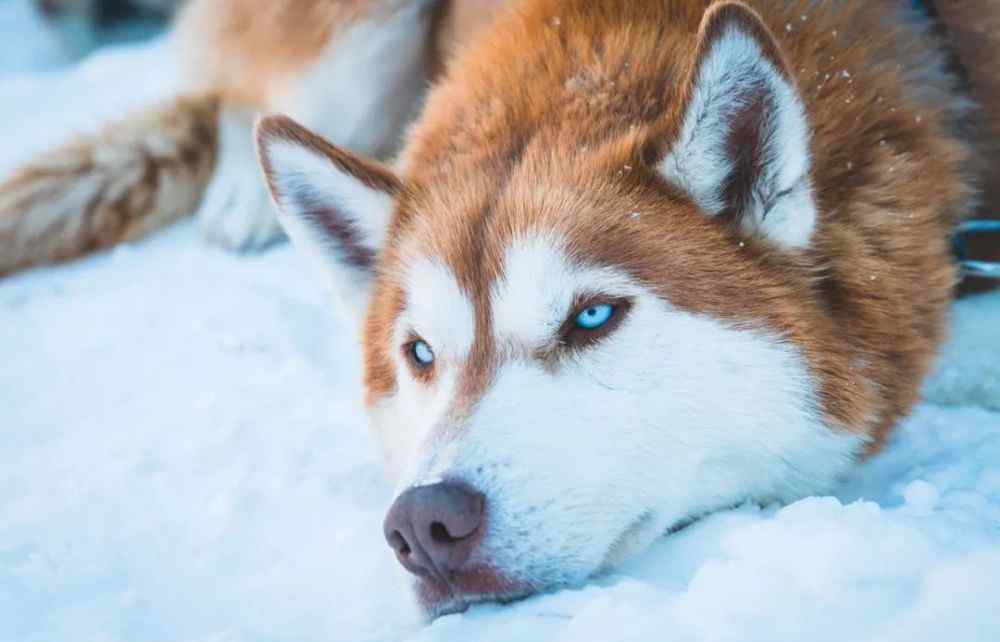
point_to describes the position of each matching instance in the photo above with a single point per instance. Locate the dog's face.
(563, 365)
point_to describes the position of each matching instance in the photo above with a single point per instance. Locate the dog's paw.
(236, 213)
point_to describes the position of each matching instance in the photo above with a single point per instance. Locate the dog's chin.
(466, 588)
(482, 583)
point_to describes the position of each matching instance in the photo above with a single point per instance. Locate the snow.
(184, 459)
(25, 45)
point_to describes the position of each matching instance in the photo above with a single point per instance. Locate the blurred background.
(41, 35)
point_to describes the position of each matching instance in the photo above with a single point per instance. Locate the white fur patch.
(438, 311)
(734, 73)
(410, 422)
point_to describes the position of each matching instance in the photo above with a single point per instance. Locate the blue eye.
(422, 353)
(595, 316)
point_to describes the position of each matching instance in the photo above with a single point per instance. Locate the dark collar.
(927, 6)
(972, 267)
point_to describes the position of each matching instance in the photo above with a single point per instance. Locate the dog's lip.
(465, 588)
(462, 602)
(483, 584)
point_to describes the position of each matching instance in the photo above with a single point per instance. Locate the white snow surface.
(184, 459)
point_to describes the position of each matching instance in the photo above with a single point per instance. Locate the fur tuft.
(133, 178)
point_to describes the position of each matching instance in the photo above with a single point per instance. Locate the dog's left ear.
(334, 206)
(741, 144)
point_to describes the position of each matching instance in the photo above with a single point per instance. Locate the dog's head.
(568, 358)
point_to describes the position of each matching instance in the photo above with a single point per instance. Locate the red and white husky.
(638, 260)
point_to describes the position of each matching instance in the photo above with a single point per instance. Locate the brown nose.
(433, 529)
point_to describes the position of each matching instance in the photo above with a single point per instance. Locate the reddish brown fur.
(119, 185)
(552, 121)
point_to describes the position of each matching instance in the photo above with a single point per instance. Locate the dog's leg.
(236, 212)
(359, 92)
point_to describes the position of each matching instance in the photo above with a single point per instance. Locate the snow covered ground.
(183, 459)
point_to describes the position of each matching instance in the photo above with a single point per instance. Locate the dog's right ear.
(334, 206)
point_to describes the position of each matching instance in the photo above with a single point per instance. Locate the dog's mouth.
(440, 595)
(466, 587)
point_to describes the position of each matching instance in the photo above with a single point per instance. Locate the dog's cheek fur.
(631, 433)
(634, 432)
(628, 437)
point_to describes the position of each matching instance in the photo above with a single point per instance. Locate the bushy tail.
(134, 177)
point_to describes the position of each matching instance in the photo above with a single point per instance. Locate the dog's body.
(638, 260)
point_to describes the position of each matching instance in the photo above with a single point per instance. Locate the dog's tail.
(134, 177)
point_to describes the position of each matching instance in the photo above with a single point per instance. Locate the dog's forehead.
(519, 251)
(532, 290)
(520, 305)
(519, 289)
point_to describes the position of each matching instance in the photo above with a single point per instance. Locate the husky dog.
(633, 261)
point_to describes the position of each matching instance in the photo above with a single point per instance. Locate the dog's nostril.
(440, 534)
(399, 543)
